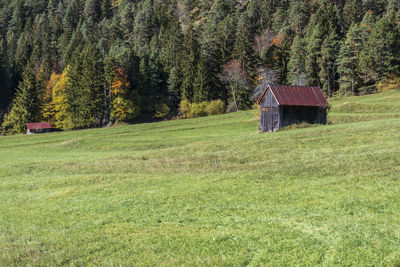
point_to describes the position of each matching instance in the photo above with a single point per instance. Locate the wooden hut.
(282, 105)
(38, 127)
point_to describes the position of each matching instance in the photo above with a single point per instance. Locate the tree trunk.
(106, 113)
(234, 98)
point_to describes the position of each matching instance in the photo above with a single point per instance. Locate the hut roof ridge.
(297, 95)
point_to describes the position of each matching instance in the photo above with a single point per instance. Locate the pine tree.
(313, 49)
(225, 37)
(297, 66)
(376, 6)
(352, 12)
(143, 26)
(151, 84)
(91, 83)
(367, 71)
(298, 16)
(73, 92)
(72, 14)
(265, 8)
(174, 84)
(189, 61)
(85, 89)
(15, 28)
(200, 88)
(327, 63)
(23, 50)
(382, 49)
(282, 57)
(210, 50)
(25, 107)
(92, 10)
(279, 17)
(5, 92)
(171, 40)
(392, 6)
(106, 8)
(243, 47)
(220, 9)
(348, 61)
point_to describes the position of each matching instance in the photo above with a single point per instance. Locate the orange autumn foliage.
(122, 106)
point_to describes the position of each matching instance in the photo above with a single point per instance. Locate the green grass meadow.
(209, 191)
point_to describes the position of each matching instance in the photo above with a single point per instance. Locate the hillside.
(79, 64)
(152, 194)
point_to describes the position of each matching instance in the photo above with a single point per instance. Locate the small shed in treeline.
(282, 105)
(38, 127)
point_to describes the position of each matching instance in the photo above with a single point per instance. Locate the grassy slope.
(151, 193)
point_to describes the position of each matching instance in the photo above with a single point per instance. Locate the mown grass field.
(152, 194)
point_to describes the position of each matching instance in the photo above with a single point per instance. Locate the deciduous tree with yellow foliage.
(122, 105)
(55, 109)
(48, 111)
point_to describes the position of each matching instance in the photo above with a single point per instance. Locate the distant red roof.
(297, 95)
(38, 125)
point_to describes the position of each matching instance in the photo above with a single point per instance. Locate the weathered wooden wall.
(269, 113)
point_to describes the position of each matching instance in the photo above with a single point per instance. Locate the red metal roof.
(297, 95)
(38, 125)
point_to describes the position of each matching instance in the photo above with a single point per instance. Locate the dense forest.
(84, 63)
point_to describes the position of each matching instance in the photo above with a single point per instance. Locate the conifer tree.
(376, 6)
(348, 61)
(243, 47)
(143, 26)
(352, 12)
(200, 88)
(367, 71)
(189, 61)
(73, 92)
(279, 17)
(298, 16)
(92, 10)
(264, 8)
(151, 84)
(210, 49)
(25, 107)
(313, 48)
(91, 83)
(382, 49)
(174, 84)
(4, 94)
(72, 14)
(225, 37)
(171, 43)
(84, 89)
(297, 66)
(106, 8)
(282, 57)
(327, 63)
